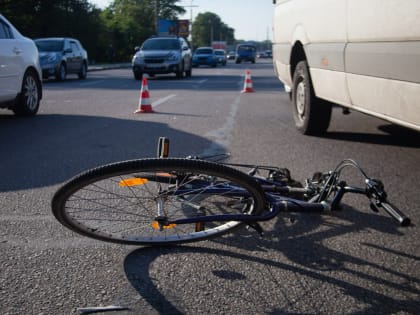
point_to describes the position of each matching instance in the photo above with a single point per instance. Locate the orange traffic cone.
(248, 83)
(144, 103)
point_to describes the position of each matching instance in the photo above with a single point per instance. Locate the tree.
(47, 18)
(124, 23)
(208, 27)
(127, 24)
(168, 9)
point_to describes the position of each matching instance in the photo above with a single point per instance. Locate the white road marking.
(222, 136)
(163, 100)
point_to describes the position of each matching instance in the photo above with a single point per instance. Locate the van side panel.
(320, 26)
(327, 70)
(383, 57)
(383, 20)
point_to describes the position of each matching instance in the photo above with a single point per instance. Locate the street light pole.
(191, 6)
(211, 31)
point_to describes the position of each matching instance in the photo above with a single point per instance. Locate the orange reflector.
(133, 182)
(165, 175)
(156, 226)
(199, 226)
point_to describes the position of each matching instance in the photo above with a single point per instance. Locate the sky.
(251, 19)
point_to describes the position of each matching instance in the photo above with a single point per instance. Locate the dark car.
(204, 56)
(246, 52)
(220, 56)
(60, 56)
(162, 55)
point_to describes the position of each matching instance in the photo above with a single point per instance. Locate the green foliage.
(124, 24)
(127, 23)
(48, 18)
(169, 10)
(208, 27)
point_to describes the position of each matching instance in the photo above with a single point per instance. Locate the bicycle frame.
(278, 203)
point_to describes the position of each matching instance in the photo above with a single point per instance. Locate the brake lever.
(375, 189)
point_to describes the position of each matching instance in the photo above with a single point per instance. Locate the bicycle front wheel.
(130, 202)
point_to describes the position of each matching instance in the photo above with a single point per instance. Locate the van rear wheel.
(312, 115)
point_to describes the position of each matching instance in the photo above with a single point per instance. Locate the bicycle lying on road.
(161, 201)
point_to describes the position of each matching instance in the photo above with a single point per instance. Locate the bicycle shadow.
(279, 270)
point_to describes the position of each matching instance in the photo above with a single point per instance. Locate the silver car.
(20, 72)
(60, 56)
(162, 55)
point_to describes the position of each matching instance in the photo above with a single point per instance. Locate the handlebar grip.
(395, 213)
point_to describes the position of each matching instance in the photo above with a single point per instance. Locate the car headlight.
(138, 59)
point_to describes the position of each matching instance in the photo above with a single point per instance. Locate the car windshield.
(204, 51)
(246, 48)
(161, 44)
(49, 45)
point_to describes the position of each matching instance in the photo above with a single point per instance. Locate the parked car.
(245, 52)
(220, 56)
(20, 72)
(261, 54)
(265, 54)
(60, 56)
(162, 55)
(204, 56)
(231, 55)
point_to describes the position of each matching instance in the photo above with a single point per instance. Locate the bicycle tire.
(119, 202)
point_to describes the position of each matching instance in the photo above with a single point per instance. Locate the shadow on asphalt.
(45, 150)
(395, 135)
(290, 267)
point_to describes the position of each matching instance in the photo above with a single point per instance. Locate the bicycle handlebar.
(393, 211)
(375, 190)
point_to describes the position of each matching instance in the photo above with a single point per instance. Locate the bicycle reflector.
(129, 182)
(157, 226)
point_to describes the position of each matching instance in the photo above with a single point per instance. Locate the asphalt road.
(352, 262)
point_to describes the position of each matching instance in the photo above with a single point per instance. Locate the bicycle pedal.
(257, 227)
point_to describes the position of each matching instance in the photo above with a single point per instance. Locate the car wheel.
(138, 75)
(311, 114)
(61, 73)
(30, 95)
(180, 72)
(188, 73)
(83, 71)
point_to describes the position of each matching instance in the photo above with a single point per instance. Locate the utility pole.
(157, 7)
(191, 6)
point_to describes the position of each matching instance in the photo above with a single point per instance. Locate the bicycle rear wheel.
(128, 202)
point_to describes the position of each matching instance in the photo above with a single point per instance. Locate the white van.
(360, 54)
